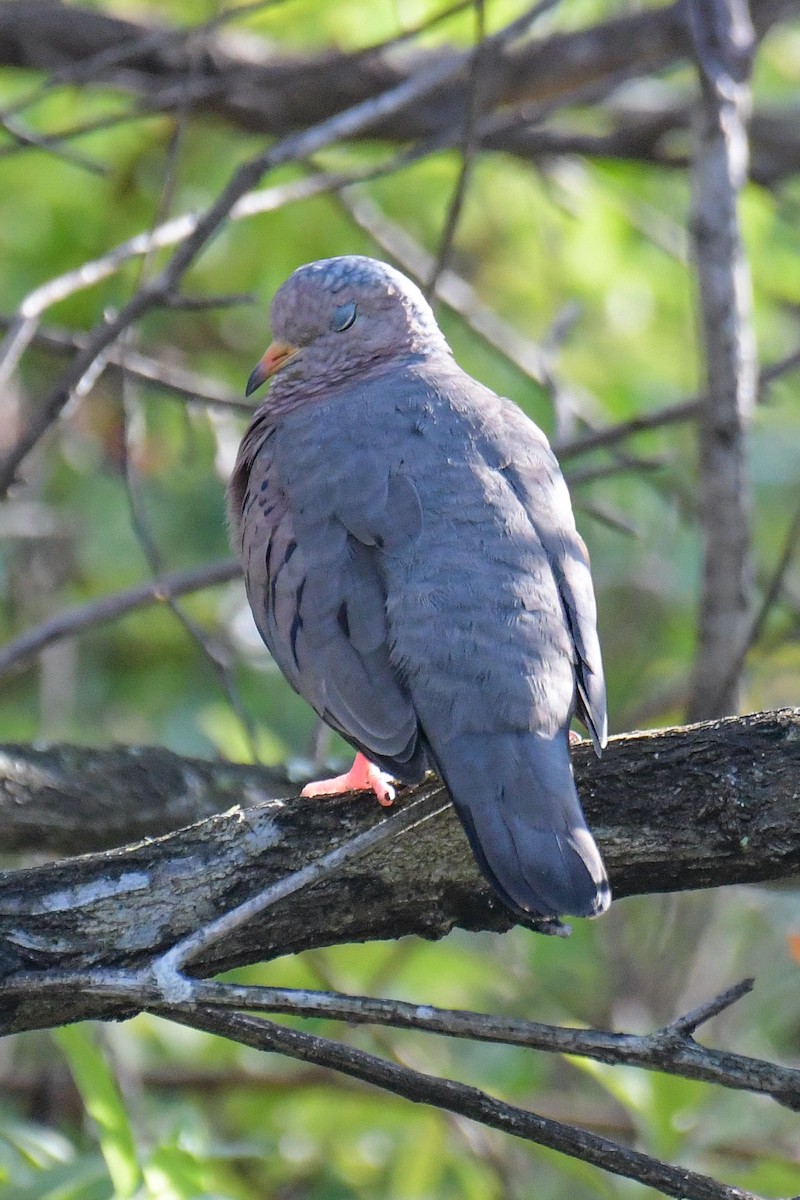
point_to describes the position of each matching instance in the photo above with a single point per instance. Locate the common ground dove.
(413, 566)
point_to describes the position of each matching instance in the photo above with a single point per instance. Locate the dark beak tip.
(257, 377)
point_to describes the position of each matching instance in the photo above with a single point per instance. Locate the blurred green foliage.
(157, 1111)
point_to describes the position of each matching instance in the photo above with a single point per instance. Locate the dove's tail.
(516, 798)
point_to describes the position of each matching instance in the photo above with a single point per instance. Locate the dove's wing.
(535, 478)
(319, 602)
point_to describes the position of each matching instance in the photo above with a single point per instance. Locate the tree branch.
(70, 622)
(724, 43)
(148, 371)
(282, 94)
(696, 807)
(276, 96)
(671, 414)
(279, 95)
(672, 1049)
(462, 1099)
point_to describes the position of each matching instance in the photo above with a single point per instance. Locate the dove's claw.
(363, 776)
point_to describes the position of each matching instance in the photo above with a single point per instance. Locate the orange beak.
(277, 356)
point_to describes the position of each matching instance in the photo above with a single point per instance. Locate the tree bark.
(690, 807)
(724, 46)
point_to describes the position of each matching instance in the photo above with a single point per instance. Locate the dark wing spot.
(297, 620)
(291, 546)
(268, 555)
(297, 625)
(342, 620)
(515, 483)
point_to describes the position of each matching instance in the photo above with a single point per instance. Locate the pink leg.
(575, 738)
(363, 776)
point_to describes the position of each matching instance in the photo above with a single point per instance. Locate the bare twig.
(672, 1049)
(775, 586)
(210, 650)
(70, 622)
(167, 969)
(770, 599)
(170, 233)
(26, 139)
(204, 303)
(188, 385)
(672, 414)
(452, 289)
(611, 518)
(468, 148)
(198, 1005)
(619, 467)
(462, 1099)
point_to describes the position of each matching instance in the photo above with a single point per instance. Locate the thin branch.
(183, 303)
(690, 1022)
(672, 414)
(452, 289)
(70, 622)
(210, 651)
(26, 139)
(610, 518)
(189, 386)
(775, 586)
(771, 597)
(172, 232)
(186, 1006)
(620, 467)
(468, 148)
(459, 1098)
(671, 1050)
(166, 970)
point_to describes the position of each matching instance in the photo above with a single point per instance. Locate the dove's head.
(338, 317)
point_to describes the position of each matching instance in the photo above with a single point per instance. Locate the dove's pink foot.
(575, 738)
(363, 776)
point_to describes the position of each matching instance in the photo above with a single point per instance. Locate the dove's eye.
(343, 317)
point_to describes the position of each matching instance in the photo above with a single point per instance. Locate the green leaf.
(101, 1095)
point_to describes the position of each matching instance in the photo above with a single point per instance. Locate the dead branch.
(671, 414)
